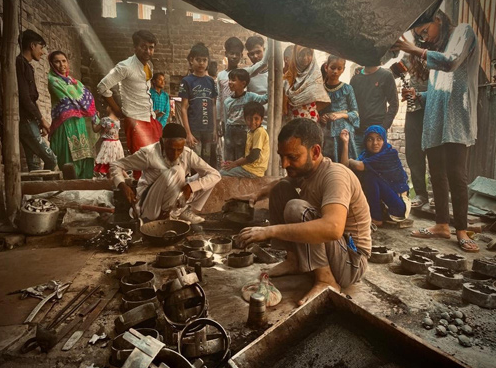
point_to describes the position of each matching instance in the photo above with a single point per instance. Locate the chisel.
(89, 320)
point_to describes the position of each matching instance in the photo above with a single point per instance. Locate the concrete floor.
(400, 298)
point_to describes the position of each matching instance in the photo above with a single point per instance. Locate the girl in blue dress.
(341, 114)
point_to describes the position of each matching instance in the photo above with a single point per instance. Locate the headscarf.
(70, 98)
(304, 85)
(386, 163)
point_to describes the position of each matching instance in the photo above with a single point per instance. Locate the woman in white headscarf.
(304, 93)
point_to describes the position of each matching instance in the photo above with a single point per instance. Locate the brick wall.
(36, 15)
(174, 39)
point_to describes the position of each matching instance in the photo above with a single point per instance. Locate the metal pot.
(241, 259)
(121, 349)
(38, 223)
(221, 245)
(137, 297)
(169, 259)
(239, 211)
(137, 280)
(165, 232)
(194, 245)
(205, 258)
(128, 268)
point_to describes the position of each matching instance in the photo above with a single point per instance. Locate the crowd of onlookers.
(224, 115)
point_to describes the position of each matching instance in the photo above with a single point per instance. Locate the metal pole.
(11, 151)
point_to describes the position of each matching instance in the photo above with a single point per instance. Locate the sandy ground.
(404, 299)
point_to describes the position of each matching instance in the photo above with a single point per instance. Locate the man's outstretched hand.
(252, 235)
(128, 193)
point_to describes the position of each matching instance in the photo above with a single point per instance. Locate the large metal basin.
(165, 232)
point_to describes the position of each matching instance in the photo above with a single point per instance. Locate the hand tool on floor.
(37, 290)
(59, 291)
(89, 320)
(47, 337)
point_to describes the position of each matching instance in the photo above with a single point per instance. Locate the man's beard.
(303, 171)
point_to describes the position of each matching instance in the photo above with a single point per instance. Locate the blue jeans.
(239, 172)
(34, 144)
(377, 190)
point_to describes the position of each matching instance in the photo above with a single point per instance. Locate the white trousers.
(162, 195)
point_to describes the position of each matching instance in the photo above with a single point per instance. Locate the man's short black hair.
(174, 131)
(252, 108)
(240, 74)
(307, 130)
(144, 35)
(199, 50)
(157, 74)
(28, 37)
(253, 41)
(233, 44)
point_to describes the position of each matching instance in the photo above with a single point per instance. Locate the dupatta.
(386, 163)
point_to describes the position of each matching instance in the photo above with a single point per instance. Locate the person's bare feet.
(287, 267)
(323, 279)
(316, 289)
(377, 223)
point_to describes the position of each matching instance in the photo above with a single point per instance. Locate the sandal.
(427, 234)
(468, 245)
(432, 204)
(419, 201)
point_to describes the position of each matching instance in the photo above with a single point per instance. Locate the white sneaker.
(191, 217)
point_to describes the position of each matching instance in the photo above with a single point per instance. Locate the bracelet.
(424, 54)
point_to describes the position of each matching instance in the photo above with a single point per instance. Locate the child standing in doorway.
(341, 114)
(111, 149)
(255, 160)
(199, 93)
(235, 134)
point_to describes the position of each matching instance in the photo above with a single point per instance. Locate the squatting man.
(166, 187)
(325, 227)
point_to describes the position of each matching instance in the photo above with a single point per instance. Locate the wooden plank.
(270, 106)
(12, 161)
(278, 102)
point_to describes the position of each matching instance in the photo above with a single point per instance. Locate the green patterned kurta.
(71, 144)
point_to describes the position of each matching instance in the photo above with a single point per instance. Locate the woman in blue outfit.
(450, 121)
(342, 113)
(382, 176)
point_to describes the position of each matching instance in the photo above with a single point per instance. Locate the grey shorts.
(346, 264)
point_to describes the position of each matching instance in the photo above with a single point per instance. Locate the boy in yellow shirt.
(257, 148)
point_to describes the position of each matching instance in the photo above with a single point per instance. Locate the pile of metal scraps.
(117, 239)
(39, 205)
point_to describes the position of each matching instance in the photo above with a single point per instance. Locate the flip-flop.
(463, 245)
(427, 234)
(418, 201)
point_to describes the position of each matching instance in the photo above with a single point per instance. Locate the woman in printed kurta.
(450, 121)
(72, 103)
(304, 93)
(341, 114)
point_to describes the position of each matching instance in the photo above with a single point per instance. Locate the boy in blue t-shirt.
(236, 129)
(198, 93)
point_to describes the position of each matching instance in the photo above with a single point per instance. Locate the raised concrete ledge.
(225, 189)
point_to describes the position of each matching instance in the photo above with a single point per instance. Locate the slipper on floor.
(427, 234)
(418, 201)
(432, 204)
(467, 245)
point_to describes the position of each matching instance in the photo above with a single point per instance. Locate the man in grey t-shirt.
(325, 228)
